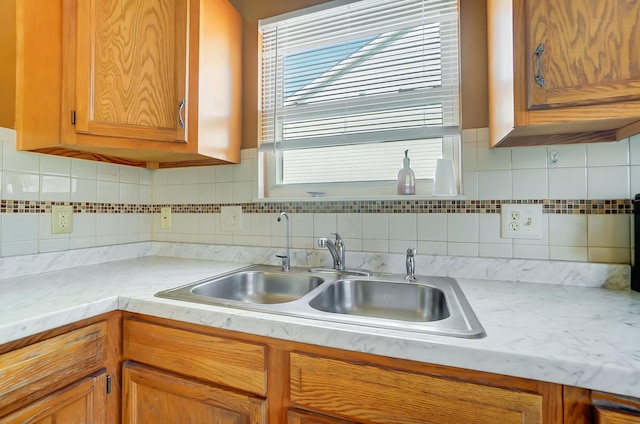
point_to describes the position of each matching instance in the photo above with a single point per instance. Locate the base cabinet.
(154, 396)
(186, 373)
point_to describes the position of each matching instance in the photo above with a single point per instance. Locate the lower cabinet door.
(299, 417)
(154, 396)
(82, 402)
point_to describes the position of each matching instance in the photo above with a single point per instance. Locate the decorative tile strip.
(549, 206)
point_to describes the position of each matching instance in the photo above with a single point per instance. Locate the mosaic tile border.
(549, 206)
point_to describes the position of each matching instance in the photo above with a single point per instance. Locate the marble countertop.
(581, 336)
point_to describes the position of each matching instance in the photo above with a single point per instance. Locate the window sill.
(358, 198)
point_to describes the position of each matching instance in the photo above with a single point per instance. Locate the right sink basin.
(383, 299)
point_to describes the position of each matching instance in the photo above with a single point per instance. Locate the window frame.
(269, 160)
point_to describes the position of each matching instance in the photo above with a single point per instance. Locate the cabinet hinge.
(108, 384)
(73, 117)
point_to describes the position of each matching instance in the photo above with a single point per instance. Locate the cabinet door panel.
(591, 52)
(152, 396)
(80, 403)
(131, 68)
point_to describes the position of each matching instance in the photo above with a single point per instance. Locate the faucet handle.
(286, 262)
(338, 238)
(411, 251)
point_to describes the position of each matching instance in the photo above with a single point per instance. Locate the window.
(348, 86)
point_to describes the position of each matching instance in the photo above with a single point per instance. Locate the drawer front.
(228, 362)
(53, 363)
(385, 395)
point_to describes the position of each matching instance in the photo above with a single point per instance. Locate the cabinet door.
(152, 396)
(79, 403)
(131, 69)
(591, 52)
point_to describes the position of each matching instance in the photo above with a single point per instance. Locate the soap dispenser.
(406, 177)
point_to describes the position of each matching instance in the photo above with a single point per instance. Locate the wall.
(586, 197)
(117, 204)
(31, 182)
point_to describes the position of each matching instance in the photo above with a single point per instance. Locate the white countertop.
(580, 336)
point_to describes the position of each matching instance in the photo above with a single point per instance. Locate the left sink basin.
(261, 286)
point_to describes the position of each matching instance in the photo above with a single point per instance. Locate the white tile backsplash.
(529, 157)
(403, 226)
(462, 228)
(603, 170)
(608, 182)
(432, 227)
(55, 188)
(349, 225)
(493, 159)
(570, 156)
(567, 230)
(608, 154)
(55, 165)
(19, 186)
(568, 183)
(494, 184)
(530, 184)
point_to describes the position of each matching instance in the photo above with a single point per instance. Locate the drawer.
(385, 395)
(40, 368)
(228, 362)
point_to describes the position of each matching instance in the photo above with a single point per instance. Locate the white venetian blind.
(348, 83)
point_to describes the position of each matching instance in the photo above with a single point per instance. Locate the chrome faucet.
(337, 250)
(286, 259)
(411, 264)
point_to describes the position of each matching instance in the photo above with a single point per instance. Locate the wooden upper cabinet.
(152, 83)
(563, 71)
(589, 52)
(131, 69)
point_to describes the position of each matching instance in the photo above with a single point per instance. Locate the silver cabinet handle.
(180, 109)
(539, 78)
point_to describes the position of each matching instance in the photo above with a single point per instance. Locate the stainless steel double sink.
(434, 305)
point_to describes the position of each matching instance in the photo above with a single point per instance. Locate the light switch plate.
(231, 218)
(521, 221)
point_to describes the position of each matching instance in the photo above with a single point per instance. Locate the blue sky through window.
(316, 62)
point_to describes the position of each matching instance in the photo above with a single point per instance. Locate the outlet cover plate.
(61, 219)
(521, 221)
(231, 218)
(165, 217)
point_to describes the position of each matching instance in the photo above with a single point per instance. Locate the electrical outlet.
(61, 219)
(165, 217)
(231, 218)
(519, 221)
